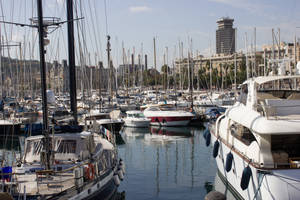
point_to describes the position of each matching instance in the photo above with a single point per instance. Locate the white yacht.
(136, 118)
(256, 142)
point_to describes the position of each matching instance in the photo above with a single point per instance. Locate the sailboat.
(81, 165)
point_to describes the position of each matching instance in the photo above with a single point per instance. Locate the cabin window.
(243, 134)
(66, 146)
(286, 143)
(139, 115)
(153, 109)
(168, 108)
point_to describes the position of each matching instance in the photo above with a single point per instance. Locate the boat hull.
(170, 121)
(137, 123)
(264, 184)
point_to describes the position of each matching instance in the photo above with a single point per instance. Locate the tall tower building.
(225, 36)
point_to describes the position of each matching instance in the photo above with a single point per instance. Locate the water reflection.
(165, 135)
(10, 149)
(221, 186)
(166, 163)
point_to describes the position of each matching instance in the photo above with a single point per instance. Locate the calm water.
(166, 163)
(161, 163)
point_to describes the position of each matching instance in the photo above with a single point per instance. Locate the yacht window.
(286, 143)
(139, 115)
(153, 109)
(243, 134)
(168, 108)
(66, 146)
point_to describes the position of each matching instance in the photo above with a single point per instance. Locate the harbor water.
(167, 163)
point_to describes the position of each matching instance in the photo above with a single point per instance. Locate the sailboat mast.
(43, 81)
(155, 76)
(110, 81)
(72, 68)
(1, 73)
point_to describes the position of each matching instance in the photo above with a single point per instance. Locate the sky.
(134, 23)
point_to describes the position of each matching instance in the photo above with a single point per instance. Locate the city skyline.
(136, 22)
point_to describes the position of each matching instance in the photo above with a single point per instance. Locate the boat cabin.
(135, 114)
(74, 147)
(267, 121)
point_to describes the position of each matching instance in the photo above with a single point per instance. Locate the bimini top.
(265, 79)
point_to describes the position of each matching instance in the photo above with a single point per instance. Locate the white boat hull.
(277, 184)
(137, 123)
(171, 123)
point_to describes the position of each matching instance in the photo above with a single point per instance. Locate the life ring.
(90, 171)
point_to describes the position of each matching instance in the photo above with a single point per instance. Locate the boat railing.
(279, 108)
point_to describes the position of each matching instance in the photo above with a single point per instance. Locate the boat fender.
(247, 173)
(206, 131)
(216, 148)
(116, 180)
(228, 163)
(121, 162)
(207, 138)
(90, 173)
(120, 174)
(122, 167)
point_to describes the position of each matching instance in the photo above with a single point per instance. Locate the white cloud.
(139, 9)
(254, 7)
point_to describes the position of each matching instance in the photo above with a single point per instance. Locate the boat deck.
(44, 184)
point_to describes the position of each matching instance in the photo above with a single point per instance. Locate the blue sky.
(136, 22)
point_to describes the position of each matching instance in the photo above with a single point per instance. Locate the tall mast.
(43, 81)
(1, 73)
(146, 69)
(133, 69)
(100, 82)
(235, 68)
(155, 67)
(210, 71)
(295, 54)
(124, 66)
(247, 62)
(72, 68)
(167, 63)
(164, 76)
(254, 62)
(110, 86)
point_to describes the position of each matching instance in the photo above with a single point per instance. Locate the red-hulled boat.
(168, 116)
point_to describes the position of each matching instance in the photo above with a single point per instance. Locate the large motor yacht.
(256, 142)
